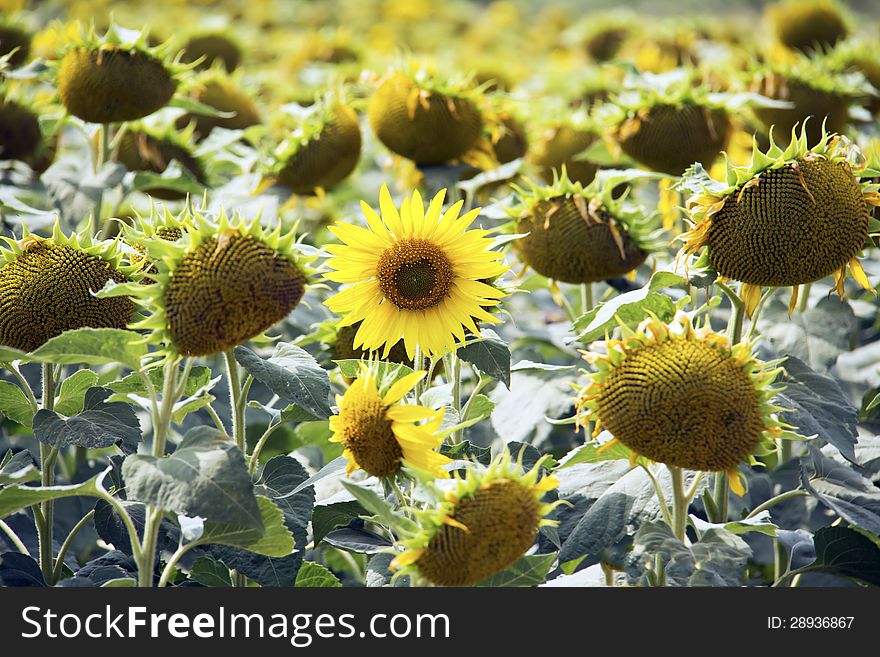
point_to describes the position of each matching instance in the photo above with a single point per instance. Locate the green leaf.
(120, 583)
(530, 570)
(14, 404)
(210, 572)
(72, 393)
(193, 106)
(377, 505)
(271, 538)
(761, 523)
(293, 375)
(819, 407)
(328, 517)
(385, 370)
(465, 450)
(843, 490)
(848, 552)
(8, 355)
(101, 424)
(289, 414)
(18, 468)
(314, 575)
(629, 308)
(199, 378)
(175, 177)
(718, 559)
(590, 453)
(16, 498)
(206, 476)
(480, 407)
(490, 355)
(190, 405)
(94, 346)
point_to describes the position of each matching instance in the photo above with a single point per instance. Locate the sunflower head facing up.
(481, 526)
(808, 25)
(580, 234)
(380, 433)
(416, 273)
(48, 286)
(221, 283)
(791, 217)
(117, 77)
(682, 396)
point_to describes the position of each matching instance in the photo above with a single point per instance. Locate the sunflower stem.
(735, 325)
(679, 503)
(456, 395)
(661, 498)
(255, 455)
(235, 399)
(721, 495)
(753, 324)
(16, 541)
(586, 298)
(59, 560)
(804, 299)
(418, 364)
(773, 501)
(48, 455)
(161, 426)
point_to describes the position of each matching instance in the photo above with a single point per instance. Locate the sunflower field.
(401, 293)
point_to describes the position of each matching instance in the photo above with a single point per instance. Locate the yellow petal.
(855, 268)
(400, 388)
(736, 483)
(751, 295)
(405, 559)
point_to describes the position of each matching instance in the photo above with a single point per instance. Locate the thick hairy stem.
(679, 503)
(59, 560)
(48, 455)
(235, 401)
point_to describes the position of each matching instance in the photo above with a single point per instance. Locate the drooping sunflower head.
(863, 56)
(791, 217)
(484, 524)
(580, 234)
(601, 36)
(425, 117)
(344, 349)
(380, 434)
(667, 122)
(808, 25)
(48, 286)
(559, 139)
(20, 133)
(14, 37)
(208, 47)
(223, 92)
(152, 148)
(415, 274)
(815, 87)
(682, 396)
(223, 282)
(116, 77)
(328, 46)
(320, 147)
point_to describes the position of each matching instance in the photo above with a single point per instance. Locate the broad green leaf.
(72, 393)
(293, 375)
(210, 572)
(271, 539)
(328, 517)
(490, 354)
(530, 570)
(590, 453)
(18, 468)
(761, 523)
(314, 575)
(848, 552)
(9, 355)
(372, 502)
(14, 404)
(16, 498)
(206, 476)
(190, 405)
(94, 346)
(199, 378)
(480, 407)
(100, 424)
(174, 177)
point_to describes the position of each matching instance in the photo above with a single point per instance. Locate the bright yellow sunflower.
(415, 275)
(379, 433)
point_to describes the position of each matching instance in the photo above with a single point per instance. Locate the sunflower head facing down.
(416, 273)
(380, 433)
(222, 282)
(789, 218)
(481, 526)
(682, 396)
